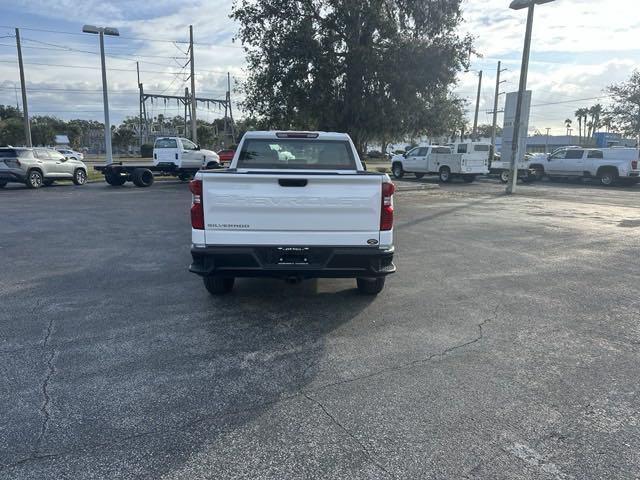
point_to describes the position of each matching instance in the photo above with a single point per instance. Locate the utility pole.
(186, 106)
(475, 119)
(233, 130)
(495, 110)
(140, 105)
(524, 70)
(25, 109)
(546, 145)
(194, 128)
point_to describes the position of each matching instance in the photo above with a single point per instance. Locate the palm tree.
(595, 112)
(581, 114)
(567, 123)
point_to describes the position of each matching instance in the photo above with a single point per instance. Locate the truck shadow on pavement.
(166, 373)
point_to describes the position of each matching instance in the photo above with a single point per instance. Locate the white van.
(182, 153)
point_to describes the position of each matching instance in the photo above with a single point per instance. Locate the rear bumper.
(322, 262)
(13, 175)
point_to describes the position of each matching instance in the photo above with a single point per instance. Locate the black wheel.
(47, 182)
(608, 178)
(3, 183)
(537, 175)
(419, 175)
(184, 177)
(505, 176)
(397, 170)
(114, 178)
(142, 177)
(469, 178)
(370, 286)
(218, 285)
(34, 179)
(79, 177)
(445, 175)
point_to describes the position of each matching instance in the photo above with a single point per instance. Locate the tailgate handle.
(293, 182)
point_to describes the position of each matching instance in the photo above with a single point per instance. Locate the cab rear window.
(297, 154)
(166, 143)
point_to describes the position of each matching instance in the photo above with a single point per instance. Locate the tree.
(7, 111)
(581, 114)
(12, 131)
(594, 124)
(372, 68)
(485, 130)
(567, 123)
(625, 110)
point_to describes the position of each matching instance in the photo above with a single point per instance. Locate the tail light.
(634, 164)
(197, 209)
(386, 212)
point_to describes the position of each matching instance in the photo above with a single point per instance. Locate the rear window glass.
(166, 143)
(481, 148)
(297, 154)
(462, 148)
(574, 154)
(441, 150)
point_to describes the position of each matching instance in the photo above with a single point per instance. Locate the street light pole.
(515, 147)
(524, 70)
(546, 145)
(475, 118)
(102, 31)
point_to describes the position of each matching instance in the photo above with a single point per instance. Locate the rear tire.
(445, 175)
(419, 175)
(608, 178)
(34, 179)
(79, 177)
(114, 178)
(370, 286)
(218, 285)
(142, 177)
(397, 170)
(505, 176)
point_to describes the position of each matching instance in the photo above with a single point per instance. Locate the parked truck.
(438, 160)
(172, 156)
(608, 165)
(313, 213)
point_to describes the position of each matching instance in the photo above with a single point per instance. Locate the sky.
(578, 48)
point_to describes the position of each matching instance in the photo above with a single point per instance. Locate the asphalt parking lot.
(506, 346)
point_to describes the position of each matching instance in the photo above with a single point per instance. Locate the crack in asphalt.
(196, 421)
(46, 402)
(335, 421)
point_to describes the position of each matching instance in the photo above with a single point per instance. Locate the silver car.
(71, 154)
(36, 167)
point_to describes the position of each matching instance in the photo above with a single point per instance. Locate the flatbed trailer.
(142, 175)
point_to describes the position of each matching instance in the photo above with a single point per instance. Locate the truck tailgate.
(291, 209)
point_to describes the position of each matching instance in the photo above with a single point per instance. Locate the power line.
(140, 39)
(71, 49)
(215, 72)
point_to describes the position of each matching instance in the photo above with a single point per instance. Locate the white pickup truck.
(435, 159)
(609, 165)
(311, 213)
